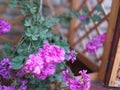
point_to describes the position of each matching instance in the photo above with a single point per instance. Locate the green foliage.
(17, 62)
(99, 8)
(74, 14)
(38, 84)
(64, 20)
(61, 65)
(13, 3)
(85, 22)
(85, 11)
(7, 50)
(96, 18)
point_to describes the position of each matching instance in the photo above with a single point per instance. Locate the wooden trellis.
(77, 33)
(93, 61)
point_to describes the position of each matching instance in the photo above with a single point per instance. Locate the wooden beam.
(110, 32)
(87, 62)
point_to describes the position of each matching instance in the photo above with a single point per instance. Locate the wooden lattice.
(80, 34)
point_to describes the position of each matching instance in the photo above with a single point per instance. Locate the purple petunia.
(4, 26)
(5, 66)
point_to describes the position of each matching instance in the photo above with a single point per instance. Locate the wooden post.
(71, 34)
(114, 58)
(108, 43)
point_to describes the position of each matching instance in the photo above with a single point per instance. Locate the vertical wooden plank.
(114, 58)
(71, 33)
(115, 67)
(110, 32)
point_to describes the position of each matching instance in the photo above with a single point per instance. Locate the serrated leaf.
(50, 22)
(96, 18)
(17, 62)
(34, 38)
(7, 50)
(85, 22)
(16, 66)
(99, 8)
(85, 11)
(8, 45)
(28, 22)
(18, 59)
(74, 14)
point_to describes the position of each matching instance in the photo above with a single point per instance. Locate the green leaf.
(50, 22)
(99, 8)
(8, 45)
(96, 18)
(16, 66)
(17, 62)
(7, 50)
(74, 14)
(18, 59)
(65, 20)
(85, 11)
(85, 22)
(28, 22)
(13, 3)
(34, 38)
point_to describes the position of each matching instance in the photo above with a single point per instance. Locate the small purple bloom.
(5, 66)
(86, 80)
(8, 88)
(91, 46)
(95, 44)
(76, 83)
(23, 85)
(71, 55)
(4, 26)
(66, 75)
(83, 17)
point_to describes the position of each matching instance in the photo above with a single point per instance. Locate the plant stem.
(19, 43)
(40, 8)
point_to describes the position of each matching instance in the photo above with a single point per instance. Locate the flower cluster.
(43, 64)
(5, 66)
(77, 83)
(4, 26)
(95, 44)
(71, 55)
(7, 87)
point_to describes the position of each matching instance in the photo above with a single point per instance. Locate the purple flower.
(92, 46)
(5, 66)
(66, 75)
(4, 26)
(43, 64)
(7, 88)
(23, 85)
(85, 79)
(76, 83)
(71, 55)
(95, 44)
(83, 17)
(20, 73)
